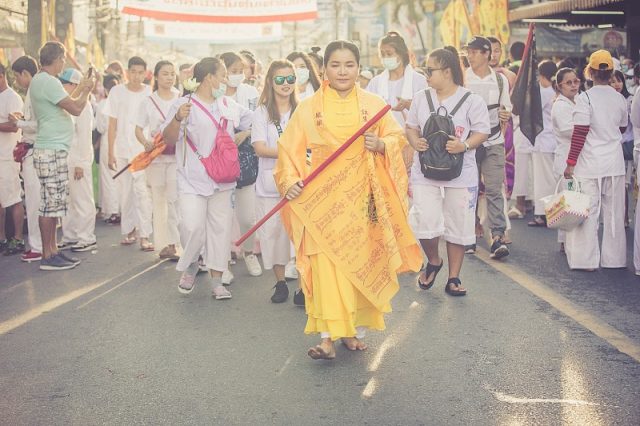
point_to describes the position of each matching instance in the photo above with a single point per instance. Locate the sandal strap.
(455, 281)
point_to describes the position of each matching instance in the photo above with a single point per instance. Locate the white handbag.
(567, 209)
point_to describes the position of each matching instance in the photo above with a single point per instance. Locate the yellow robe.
(349, 226)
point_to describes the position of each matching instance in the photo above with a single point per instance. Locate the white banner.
(212, 33)
(223, 11)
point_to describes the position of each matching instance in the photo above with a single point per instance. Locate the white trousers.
(109, 203)
(636, 231)
(523, 178)
(245, 214)
(32, 202)
(205, 222)
(582, 247)
(135, 201)
(80, 222)
(274, 241)
(545, 181)
(161, 179)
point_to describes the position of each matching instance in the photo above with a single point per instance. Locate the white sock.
(361, 332)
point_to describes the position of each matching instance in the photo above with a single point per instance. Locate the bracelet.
(466, 146)
(175, 117)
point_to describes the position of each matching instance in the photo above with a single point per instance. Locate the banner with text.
(212, 33)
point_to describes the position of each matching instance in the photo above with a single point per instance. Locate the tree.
(416, 12)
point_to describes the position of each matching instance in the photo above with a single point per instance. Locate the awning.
(556, 7)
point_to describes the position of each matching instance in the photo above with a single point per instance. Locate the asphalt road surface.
(113, 342)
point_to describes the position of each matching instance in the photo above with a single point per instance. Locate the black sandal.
(454, 292)
(431, 269)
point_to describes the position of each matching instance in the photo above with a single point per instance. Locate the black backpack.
(436, 163)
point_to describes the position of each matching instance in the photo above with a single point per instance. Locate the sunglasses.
(569, 82)
(429, 71)
(280, 79)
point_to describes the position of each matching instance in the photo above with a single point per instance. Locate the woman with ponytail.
(307, 77)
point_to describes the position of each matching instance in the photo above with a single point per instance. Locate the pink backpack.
(222, 164)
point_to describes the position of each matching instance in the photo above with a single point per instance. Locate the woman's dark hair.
(448, 57)
(566, 63)
(51, 51)
(203, 68)
(339, 45)
(314, 78)
(156, 71)
(268, 97)
(562, 72)
(618, 75)
(136, 60)
(396, 41)
(109, 81)
(517, 50)
(25, 63)
(230, 58)
(315, 55)
(547, 69)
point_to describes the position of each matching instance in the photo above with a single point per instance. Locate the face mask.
(302, 75)
(234, 80)
(390, 63)
(220, 91)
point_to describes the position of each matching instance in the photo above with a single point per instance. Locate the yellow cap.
(601, 60)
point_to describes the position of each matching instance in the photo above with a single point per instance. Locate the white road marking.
(370, 389)
(515, 400)
(284, 367)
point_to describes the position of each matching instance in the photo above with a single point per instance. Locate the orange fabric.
(142, 160)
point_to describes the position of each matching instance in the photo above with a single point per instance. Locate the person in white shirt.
(446, 208)
(244, 196)
(204, 204)
(545, 180)
(161, 173)
(24, 68)
(78, 226)
(10, 189)
(493, 88)
(307, 76)
(109, 203)
(277, 103)
(567, 85)
(123, 104)
(595, 159)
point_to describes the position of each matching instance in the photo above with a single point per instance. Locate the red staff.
(317, 171)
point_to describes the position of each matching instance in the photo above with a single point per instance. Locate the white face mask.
(390, 63)
(234, 80)
(302, 75)
(220, 91)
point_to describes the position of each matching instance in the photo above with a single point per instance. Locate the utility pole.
(336, 5)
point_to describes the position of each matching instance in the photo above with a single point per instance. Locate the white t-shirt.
(546, 141)
(263, 130)
(472, 116)
(123, 105)
(308, 92)
(192, 178)
(635, 121)
(562, 120)
(395, 91)
(29, 124)
(247, 96)
(10, 102)
(150, 119)
(81, 148)
(487, 88)
(605, 111)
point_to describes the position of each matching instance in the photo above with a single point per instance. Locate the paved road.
(113, 342)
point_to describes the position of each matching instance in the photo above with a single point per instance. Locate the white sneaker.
(227, 277)
(253, 265)
(221, 293)
(290, 271)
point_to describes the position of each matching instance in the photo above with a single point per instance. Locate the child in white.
(269, 121)
(161, 173)
(78, 226)
(109, 203)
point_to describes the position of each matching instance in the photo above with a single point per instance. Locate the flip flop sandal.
(431, 269)
(318, 353)
(356, 348)
(454, 292)
(538, 223)
(127, 241)
(147, 247)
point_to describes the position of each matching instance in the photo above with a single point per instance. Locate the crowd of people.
(238, 139)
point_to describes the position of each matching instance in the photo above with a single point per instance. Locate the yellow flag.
(70, 41)
(494, 19)
(455, 25)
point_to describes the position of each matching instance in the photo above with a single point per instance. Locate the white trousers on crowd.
(80, 222)
(205, 222)
(135, 201)
(245, 214)
(636, 231)
(32, 202)
(109, 203)
(161, 179)
(274, 241)
(523, 177)
(545, 181)
(582, 246)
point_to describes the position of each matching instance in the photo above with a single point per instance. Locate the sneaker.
(66, 245)
(298, 298)
(282, 292)
(499, 249)
(56, 263)
(71, 259)
(253, 265)
(220, 293)
(227, 277)
(470, 249)
(14, 246)
(80, 247)
(3, 245)
(31, 256)
(290, 271)
(187, 283)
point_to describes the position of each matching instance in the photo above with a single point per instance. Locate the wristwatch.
(466, 146)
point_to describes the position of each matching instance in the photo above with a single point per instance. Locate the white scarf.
(407, 84)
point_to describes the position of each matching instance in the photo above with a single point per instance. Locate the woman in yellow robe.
(351, 244)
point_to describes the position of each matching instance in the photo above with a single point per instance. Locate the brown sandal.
(450, 290)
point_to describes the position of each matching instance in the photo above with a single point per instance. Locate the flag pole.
(317, 171)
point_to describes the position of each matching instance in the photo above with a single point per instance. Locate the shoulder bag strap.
(278, 128)
(157, 107)
(459, 104)
(207, 112)
(432, 108)
(500, 89)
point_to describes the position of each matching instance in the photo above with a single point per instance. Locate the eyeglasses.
(280, 79)
(570, 82)
(429, 71)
